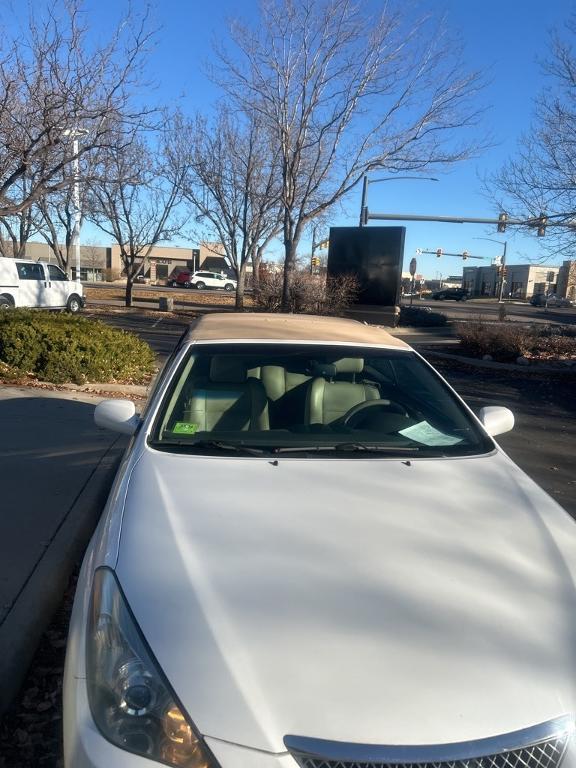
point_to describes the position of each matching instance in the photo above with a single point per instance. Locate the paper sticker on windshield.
(428, 435)
(184, 428)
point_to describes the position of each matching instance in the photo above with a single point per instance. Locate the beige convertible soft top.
(256, 326)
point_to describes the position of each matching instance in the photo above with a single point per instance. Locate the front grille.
(546, 754)
(542, 746)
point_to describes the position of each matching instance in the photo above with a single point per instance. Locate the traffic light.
(439, 253)
(542, 221)
(465, 255)
(502, 219)
(324, 243)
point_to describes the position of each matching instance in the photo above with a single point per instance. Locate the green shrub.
(421, 317)
(63, 348)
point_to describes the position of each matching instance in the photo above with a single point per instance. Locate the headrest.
(226, 369)
(349, 365)
(344, 365)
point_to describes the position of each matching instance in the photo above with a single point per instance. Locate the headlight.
(130, 700)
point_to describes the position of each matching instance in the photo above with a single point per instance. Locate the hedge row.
(60, 348)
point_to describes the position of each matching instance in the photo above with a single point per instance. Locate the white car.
(315, 555)
(202, 280)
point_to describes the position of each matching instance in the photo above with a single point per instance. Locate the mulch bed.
(31, 731)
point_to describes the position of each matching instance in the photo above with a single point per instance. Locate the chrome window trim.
(339, 751)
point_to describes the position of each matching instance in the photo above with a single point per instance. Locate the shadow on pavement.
(542, 441)
(56, 468)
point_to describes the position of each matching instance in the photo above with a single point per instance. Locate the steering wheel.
(352, 414)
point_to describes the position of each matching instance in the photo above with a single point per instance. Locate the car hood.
(365, 600)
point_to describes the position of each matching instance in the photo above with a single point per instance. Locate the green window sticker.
(184, 428)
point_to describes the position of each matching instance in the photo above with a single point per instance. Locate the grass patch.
(62, 348)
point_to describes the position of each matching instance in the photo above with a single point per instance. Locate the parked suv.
(457, 294)
(185, 278)
(36, 284)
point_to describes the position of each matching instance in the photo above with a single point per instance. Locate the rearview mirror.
(117, 415)
(496, 419)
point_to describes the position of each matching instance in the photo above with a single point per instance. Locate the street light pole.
(75, 133)
(77, 214)
(366, 181)
(363, 201)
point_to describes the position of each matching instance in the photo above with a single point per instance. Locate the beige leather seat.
(286, 392)
(229, 401)
(329, 398)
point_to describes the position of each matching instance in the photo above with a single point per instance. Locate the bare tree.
(17, 229)
(342, 92)
(55, 214)
(234, 185)
(55, 81)
(541, 178)
(137, 205)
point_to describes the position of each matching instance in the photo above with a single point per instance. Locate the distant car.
(540, 300)
(184, 278)
(456, 294)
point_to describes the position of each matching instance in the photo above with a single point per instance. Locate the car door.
(58, 287)
(218, 280)
(206, 278)
(32, 291)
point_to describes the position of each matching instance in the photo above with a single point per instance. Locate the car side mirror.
(496, 419)
(117, 415)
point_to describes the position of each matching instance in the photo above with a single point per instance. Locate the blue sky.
(502, 38)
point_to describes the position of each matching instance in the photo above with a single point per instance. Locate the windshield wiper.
(351, 447)
(217, 444)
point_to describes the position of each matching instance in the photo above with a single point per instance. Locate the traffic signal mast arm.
(539, 222)
(465, 255)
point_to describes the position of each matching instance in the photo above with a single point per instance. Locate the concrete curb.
(95, 388)
(136, 390)
(35, 605)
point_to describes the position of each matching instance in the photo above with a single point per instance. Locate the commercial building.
(104, 263)
(566, 287)
(521, 281)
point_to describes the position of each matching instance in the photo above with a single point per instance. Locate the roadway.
(488, 309)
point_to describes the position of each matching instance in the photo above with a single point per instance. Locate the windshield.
(280, 398)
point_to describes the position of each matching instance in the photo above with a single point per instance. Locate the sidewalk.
(56, 468)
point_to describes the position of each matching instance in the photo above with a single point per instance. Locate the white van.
(25, 283)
